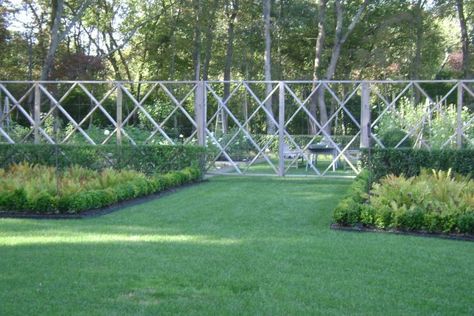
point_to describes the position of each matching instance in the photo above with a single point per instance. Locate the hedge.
(17, 200)
(409, 162)
(149, 159)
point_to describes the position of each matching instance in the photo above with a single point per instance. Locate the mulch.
(363, 229)
(100, 211)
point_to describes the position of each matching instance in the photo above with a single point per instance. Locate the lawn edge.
(103, 210)
(361, 229)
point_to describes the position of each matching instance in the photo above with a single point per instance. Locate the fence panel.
(301, 128)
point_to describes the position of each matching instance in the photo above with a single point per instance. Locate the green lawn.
(230, 246)
(262, 167)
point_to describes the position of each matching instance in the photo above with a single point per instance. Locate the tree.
(197, 39)
(462, 11)
(464, 39)
(340, 38)
(57, 36)
(317, 59)
(231, 14)
(268, 65)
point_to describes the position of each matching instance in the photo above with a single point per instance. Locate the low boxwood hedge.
(86, 191)
(148, 159)
(382, 162)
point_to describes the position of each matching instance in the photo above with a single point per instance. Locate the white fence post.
(459, 124)
(365, 116)
(281, 129)
(2, 111)
(200, 112)
(37, 113)
(6, 108)
(119, 113)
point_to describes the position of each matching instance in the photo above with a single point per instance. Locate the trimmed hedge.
(382, 162)
(149, 159)
(21, 198)
(434, 202)
(87, 200)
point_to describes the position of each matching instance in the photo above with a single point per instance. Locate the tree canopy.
(227, 39)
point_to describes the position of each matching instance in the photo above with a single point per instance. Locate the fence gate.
(285, 128)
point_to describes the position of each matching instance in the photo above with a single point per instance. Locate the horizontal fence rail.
(280, 128)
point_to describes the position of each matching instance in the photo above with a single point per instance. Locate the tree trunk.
(416, 66)
(228, 59)
(197, 40)
(57, 9)
(464, 39)
(30, 68)
(172, 67)
(280, 31)
(340, 39)
(268, 71)
(313, 129)
(111, 57)
(330, 71)
(209, 40)
(116, 47)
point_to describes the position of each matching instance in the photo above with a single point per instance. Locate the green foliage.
(393, 138)
(434, 201)
(148, 159)
(349, 210)
(42, 189)
(382, 162)
(238, 145)
(394, 125)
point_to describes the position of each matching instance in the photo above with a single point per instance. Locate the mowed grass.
(229, 246)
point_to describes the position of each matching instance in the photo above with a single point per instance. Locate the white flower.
(106, 132)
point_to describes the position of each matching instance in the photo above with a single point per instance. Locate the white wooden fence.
(235, 127)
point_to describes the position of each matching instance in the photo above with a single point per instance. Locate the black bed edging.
(362, 229)
(101, 211)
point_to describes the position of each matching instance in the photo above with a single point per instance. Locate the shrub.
(382, 162)
(348, 211)
(392, 137)
(465, 223)
(367, 215)
(13, 199)
(408, 116)
(148, 159)
(42, 202)
(408, 219)
(383, 217)
(76, 189)
(434, 201)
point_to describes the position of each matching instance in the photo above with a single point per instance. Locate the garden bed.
(103, 210)
(35, 190)
(435, 203)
